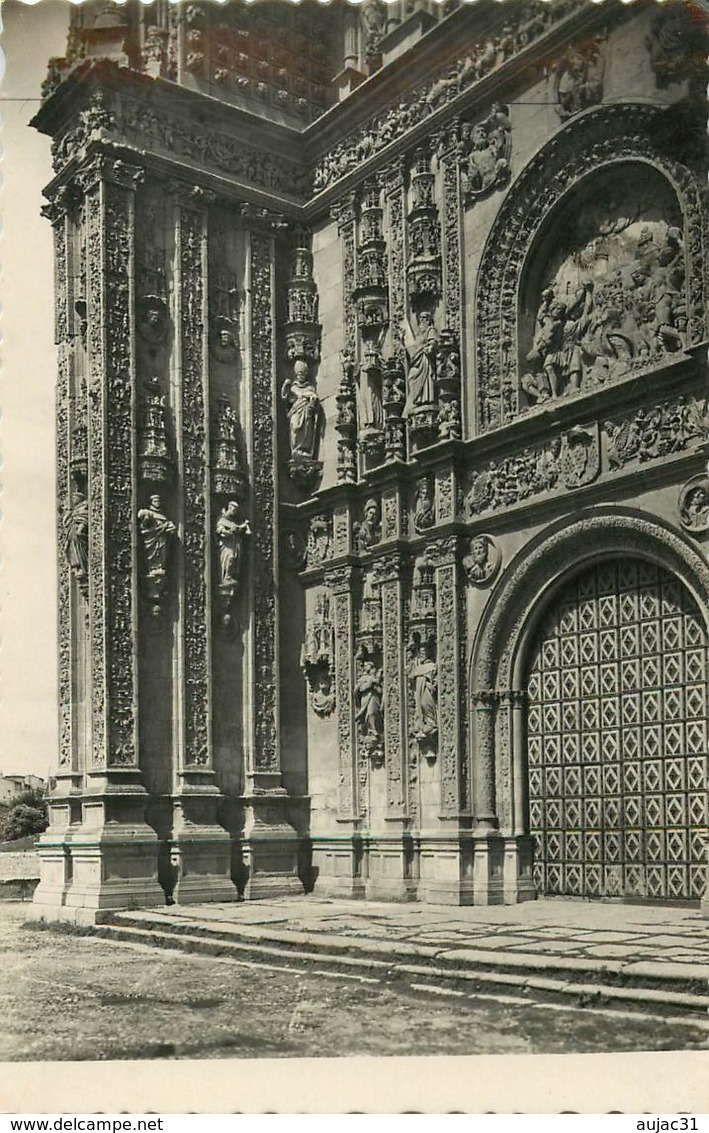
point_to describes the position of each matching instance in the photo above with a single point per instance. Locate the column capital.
(105, 167)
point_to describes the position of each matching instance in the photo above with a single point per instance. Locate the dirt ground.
(65, 995)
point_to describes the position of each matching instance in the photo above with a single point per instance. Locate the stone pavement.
(657, 955)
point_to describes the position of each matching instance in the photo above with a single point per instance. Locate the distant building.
(382, 431)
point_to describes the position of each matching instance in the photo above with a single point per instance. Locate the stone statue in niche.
(152, 320)
(694, 504)
(373, 21)
(305, 419)
(420, 353)
(156, 534)
(317, 657)
(484, 153)
(369, 713)
(76, 540)
(231, 532)
(369, 531)
(578, 79)
(224, 339)
(422, 672)
(424, 511)
(482, 562)
(614, 299)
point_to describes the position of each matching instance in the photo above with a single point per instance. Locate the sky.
(28, 657)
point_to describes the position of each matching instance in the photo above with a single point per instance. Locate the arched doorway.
(616, 680)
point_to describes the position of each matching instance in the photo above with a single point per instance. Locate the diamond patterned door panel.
(617, 737)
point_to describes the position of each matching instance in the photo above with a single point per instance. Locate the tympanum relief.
(611, 298)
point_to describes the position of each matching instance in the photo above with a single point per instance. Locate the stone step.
(660, 987)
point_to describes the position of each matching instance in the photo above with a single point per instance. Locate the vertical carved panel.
(394, 733)
(340, 582)
(64, 595)
(264, 530)
(192, 235)
(452, 291)
(449, 688)
(397, 251)
(112, 502)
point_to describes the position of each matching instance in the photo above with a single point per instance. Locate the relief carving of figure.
(482, 562)
(424, 511)
(579, 79)
(420, 350)
(369, 531)
(694, 505)
(304, 414)
(484, 152)
(76, 540)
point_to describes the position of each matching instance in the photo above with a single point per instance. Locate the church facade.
(382, 435)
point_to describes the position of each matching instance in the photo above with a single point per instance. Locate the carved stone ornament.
(484, 152)
(229, 475)
(317, 657)
(578, 78)
(156, 534)
(373, 22)
(424, 272)
(580, 456)
(424, 513)
(154, 459)
(370, 406)
(694, 504)
(346, 420)
(152, 320)
(319, 545)
(421, 408)
(369, 531)
(483, 560)
(231, 531)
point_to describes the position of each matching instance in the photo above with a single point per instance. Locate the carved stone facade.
(383, 499)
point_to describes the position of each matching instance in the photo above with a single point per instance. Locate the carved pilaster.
(390, 571)
(485, 706)
(395, 194)
(450, 688)
(452, 244)
(339, 581)
(344, 215)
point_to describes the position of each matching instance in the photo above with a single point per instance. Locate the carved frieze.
(317, 657)
(483, 56)
(649, 434)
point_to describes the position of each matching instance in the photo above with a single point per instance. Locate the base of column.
(488, 868)
(270, 849)
(389, 869)
(518, 880)
(53, 846)
(200, 849)
(337, 866)
(110, 858)
(446, 869)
